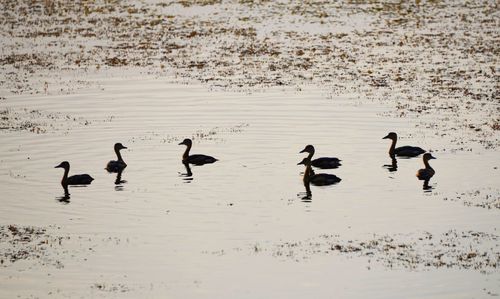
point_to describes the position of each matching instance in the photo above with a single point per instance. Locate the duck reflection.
(306, 196)
(425, 174)
(65, 198)
(119, 182)
(188, 176)
(426, 187)
(393, 166)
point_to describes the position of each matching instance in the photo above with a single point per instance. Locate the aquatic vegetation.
(485, 198)
(417, 251)
(40, 122)
(392, 52)
(27, 242)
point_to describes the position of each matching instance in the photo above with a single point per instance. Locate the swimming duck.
(119, 165)
(426, 173)
(194, 159)
(78, 179)
(403, 151)
(320, 179)
(324, 162)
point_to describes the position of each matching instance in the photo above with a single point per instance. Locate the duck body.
(326, 163)
(428, 172)
(78, 179)
(324, 179)
(197, 159)
(402, 151)
(408, 151)
(118, 165)
(320, 179)
(323, 162)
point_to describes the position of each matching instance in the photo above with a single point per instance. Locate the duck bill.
(182, 143)
(302, 151)
(386, 137)
(58, 166)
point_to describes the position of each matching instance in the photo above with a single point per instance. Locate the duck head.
(308, 149)
(392, 136)
(428, 156)
(119, 146)
(304, 161)
(64, 165)
(186, 142)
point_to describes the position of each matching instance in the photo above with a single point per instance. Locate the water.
(160, 234)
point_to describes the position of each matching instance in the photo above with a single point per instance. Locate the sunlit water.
(161, 234)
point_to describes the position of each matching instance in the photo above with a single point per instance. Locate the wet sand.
(251, 83)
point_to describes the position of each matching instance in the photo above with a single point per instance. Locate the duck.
(194, 159)
(402, 151)
(320, 179)
(324, 162)
(78, 179)
(118, 165)
(425, 174)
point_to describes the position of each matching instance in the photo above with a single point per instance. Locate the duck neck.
(393, 147)
(64, 181)
(308, 173)
(311, 154)
(426, 163)
(118, 155)
(186, 152)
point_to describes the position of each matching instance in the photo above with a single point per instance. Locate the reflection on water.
(394, 164)
(306, 196)
(119, 181)
(188, 176)
(426, 187)
(239, 202)
(66, 197)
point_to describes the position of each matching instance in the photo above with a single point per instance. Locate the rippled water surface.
(161, 233)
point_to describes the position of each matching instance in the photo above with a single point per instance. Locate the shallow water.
(212, 235)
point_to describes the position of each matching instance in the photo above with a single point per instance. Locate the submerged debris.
(463, 250)
(28, 242)
(112, 288)
(486, 198)
(39, 122)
